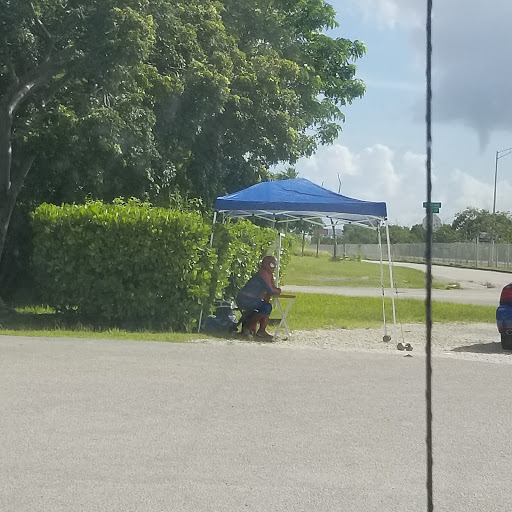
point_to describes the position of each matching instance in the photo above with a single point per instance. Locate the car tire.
(506, 340)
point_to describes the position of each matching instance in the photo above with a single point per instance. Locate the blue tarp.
(299, 197)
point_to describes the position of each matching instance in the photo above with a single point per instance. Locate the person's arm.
(271, 289)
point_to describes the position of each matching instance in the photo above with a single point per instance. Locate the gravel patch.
(477, 342)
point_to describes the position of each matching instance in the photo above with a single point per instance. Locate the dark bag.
(219, 325)
(224, 321)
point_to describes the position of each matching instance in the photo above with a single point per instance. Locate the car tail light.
(506, 295)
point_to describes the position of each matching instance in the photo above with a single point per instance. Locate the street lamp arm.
(499, 154)
(505, 152)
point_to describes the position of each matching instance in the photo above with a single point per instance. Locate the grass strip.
(316, 311)
(324, 271)
(309, 311)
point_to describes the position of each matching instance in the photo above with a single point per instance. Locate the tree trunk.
(9, 196)
(5, 173)
(13, 171)
(14, 168)
(5, 216)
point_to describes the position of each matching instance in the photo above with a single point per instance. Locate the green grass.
(315, 311)
(40, 321)
(116, 334)
(324, 271)
(309, 311)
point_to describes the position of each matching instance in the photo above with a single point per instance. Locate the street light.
(499, 154)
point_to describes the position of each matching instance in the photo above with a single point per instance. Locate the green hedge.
(137, 266)
(128, 264)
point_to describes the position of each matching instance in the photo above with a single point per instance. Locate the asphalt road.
(105, 425)
(480, 287)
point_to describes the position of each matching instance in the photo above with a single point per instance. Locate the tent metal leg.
(386, 337)
(278, 259)
(213, 224)
(211, 245)
(391, 278)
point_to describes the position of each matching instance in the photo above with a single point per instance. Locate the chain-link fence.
(473, 254)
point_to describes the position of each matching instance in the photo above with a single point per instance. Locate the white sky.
(381, 153)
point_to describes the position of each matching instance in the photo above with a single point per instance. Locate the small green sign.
(434, 205)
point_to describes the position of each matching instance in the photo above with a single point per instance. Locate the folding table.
(285, 312)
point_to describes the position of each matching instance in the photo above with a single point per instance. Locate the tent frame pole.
(278, 269)
(382, 283)
(211, 245)
(391, 276)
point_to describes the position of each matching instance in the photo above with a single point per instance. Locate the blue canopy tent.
(300, 199)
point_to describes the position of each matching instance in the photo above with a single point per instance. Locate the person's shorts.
(265, 308)
(262, 307)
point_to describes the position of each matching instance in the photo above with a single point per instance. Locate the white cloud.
(378, 173)
(333, 160)
(472, 78)
(394, 85)
(472, 192)
(389, 13)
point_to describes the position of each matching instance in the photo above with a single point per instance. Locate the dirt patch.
(479, 342)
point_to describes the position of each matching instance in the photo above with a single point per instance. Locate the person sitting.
(255, 296)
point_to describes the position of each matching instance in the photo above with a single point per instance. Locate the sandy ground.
(476, 342)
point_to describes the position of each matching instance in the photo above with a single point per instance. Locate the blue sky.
(380, 154)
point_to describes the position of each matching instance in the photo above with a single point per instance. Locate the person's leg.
(264, 314)
(249, 322)
(249, 309)
(253, 322)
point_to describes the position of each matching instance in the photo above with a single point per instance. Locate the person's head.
(268, 263)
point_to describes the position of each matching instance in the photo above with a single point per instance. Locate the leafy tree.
(86, 52)
(288, 174)
(446, 235)
(400, 235)
(502, 226)
(418, 233)
(353, 234)
(282, 97)
(143, 98)
(471, 222)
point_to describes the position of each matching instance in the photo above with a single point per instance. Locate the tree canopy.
(153, 98)
(467, 226)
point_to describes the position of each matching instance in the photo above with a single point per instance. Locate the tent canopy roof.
(297, 199)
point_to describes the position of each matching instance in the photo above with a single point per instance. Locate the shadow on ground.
(493, 347)
(15, 321)
(29, 321)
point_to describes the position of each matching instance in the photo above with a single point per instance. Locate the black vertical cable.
(428, 257)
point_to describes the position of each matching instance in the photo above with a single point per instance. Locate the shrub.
(123, 263)
(133, 265)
